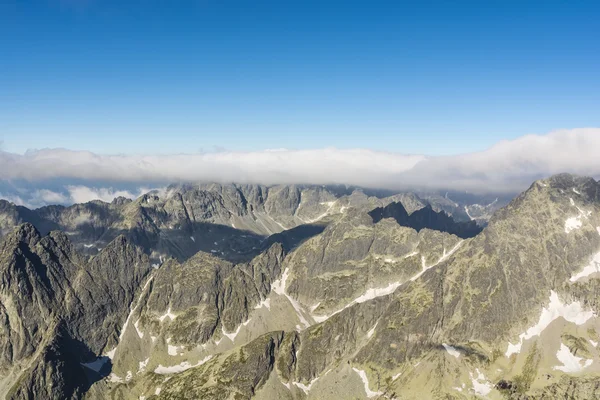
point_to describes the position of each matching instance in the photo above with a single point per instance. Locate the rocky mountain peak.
(121, 201)
(26, 233)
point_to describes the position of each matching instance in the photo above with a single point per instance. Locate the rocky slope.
(364, 307)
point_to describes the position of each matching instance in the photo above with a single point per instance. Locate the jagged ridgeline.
(426, 217)
(300, 292)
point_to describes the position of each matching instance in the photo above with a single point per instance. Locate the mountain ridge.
(364, 307)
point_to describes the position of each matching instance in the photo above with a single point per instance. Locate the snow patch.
(168, 314)
(572, 224)
(305, 388)
(193, 240)
(278, 287)
(372, 330)
(87, 246)
(157, 391)
(184, 366)
(444, 257)
(370, 294)
(591, 268)
(595, 344)
(396, 376)
(363, 376)
(264, 303)
(110, 354)
(451, 350)
(481, 385)
(172, 350)
(576, 191)
(458, 388)
(414, 253)
(115, 378)
(576, 222)
(573, 312)
(326, 213)
(373, 293)
(232, 336)
(571, 363)
(143, 365)
(468, 215)
(137, 329)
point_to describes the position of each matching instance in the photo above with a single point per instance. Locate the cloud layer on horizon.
(507, 167)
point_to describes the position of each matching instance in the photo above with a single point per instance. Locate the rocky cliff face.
(59, 308)
(379, 304)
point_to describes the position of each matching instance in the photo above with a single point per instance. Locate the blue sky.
(412, 77)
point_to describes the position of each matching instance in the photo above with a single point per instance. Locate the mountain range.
(303, 292)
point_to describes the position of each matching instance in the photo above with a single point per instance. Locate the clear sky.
(434, 77)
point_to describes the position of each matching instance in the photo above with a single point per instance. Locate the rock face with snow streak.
(358, 309)
(187, 307)
(355, 259)
(59, 308)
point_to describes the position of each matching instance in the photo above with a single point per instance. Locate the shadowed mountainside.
(426, 217)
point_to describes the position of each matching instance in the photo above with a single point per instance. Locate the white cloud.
(18, 200)
(509, 166)
(83, 194)
(70, 194)
(358, 167)
(49, 197)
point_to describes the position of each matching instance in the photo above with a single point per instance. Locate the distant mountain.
(227, 220)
